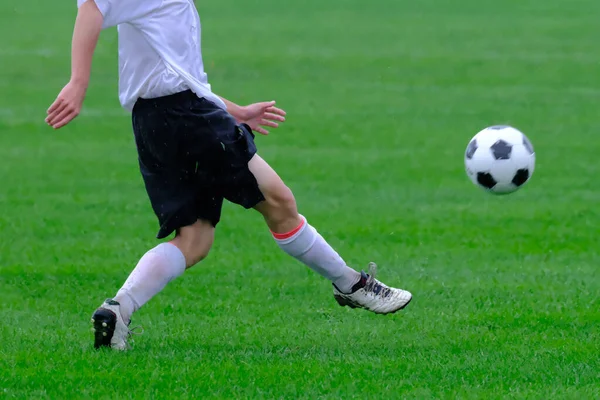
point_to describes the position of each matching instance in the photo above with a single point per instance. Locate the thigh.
(178, 180)
(172, 197)
(269, 182)
(234, 181)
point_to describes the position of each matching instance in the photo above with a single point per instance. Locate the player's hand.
(260, 115)
(67, 105)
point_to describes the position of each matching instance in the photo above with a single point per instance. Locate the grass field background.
(382, 99)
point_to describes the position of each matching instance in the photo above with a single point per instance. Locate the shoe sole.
(342, 301)
(104, 322)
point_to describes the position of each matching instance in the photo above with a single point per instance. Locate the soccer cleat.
(109, 328)
(373, 295)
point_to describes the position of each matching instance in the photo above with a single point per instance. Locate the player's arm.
(257, 115)
(85, 37)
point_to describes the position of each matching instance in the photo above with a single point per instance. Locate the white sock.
(306, 245)
(155, 269)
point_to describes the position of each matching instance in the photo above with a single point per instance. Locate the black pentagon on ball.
(471, 148)
(527, 144)
(520, 177)
(486, 180)
(501, 150)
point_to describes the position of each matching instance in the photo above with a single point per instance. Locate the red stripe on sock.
(283, 236)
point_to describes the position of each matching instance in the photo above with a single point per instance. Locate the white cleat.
(373, 295)
(109, 328)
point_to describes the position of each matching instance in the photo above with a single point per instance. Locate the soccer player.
(195, 149)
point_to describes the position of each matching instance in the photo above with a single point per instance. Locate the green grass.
(382, 98)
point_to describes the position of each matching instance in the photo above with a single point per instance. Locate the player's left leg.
(297, 238)
(164, 263)
(151, 275)
(175, 149)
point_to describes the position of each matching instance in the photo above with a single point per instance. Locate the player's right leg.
(246, 179)
(297, 238)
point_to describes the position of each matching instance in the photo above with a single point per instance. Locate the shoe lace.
(374, 286)
(136, 330)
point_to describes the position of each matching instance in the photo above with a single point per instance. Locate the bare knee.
(279, 209)
(195, 241)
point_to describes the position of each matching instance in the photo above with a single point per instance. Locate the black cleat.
(109, 328)
(104, 327)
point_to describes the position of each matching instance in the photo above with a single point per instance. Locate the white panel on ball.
(503, 170)
(486, 137)
(504, 188)
(481, 161)
(521, 157)
(508, 134)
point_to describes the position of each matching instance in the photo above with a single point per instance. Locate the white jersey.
(159, 48)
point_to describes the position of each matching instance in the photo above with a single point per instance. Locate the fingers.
(262, 131)
(55, 109)
(275, 110)
(267, 104)
(270, 118)
(58, 116)
(266, 122)
(65, 120)
(57, 103)
(274, 117)
(62, 115)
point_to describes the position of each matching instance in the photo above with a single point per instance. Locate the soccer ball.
(500, 159)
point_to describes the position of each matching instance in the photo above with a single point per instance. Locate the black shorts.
(192, 155)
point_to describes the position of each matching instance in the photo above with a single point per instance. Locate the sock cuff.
(300, 242)
(292, 233)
